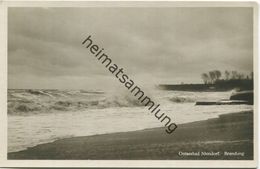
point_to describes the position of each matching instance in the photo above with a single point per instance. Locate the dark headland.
(220, 85)
(229, 137)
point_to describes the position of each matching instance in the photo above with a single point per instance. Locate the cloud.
(169, 45)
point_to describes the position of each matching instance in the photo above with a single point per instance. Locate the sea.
(40, 116)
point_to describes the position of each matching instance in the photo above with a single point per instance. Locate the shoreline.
(226, 137)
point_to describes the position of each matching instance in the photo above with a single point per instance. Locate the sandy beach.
(229, 137)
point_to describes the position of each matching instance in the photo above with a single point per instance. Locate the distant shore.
(218, 86)
(228, 137)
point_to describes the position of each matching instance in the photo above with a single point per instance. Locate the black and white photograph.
(147, 82)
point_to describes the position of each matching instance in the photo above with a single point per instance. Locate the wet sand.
(229, 137)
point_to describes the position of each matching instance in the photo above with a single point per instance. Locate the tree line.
(213, 76)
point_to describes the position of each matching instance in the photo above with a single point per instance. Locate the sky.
(152, 45)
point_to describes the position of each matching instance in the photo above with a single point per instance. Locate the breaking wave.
(182, 100)
(44, 101)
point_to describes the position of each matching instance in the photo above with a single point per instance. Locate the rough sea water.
(41, 116)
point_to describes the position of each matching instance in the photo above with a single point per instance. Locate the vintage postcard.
(129, 84)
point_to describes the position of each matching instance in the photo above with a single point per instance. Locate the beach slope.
(229, 137)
